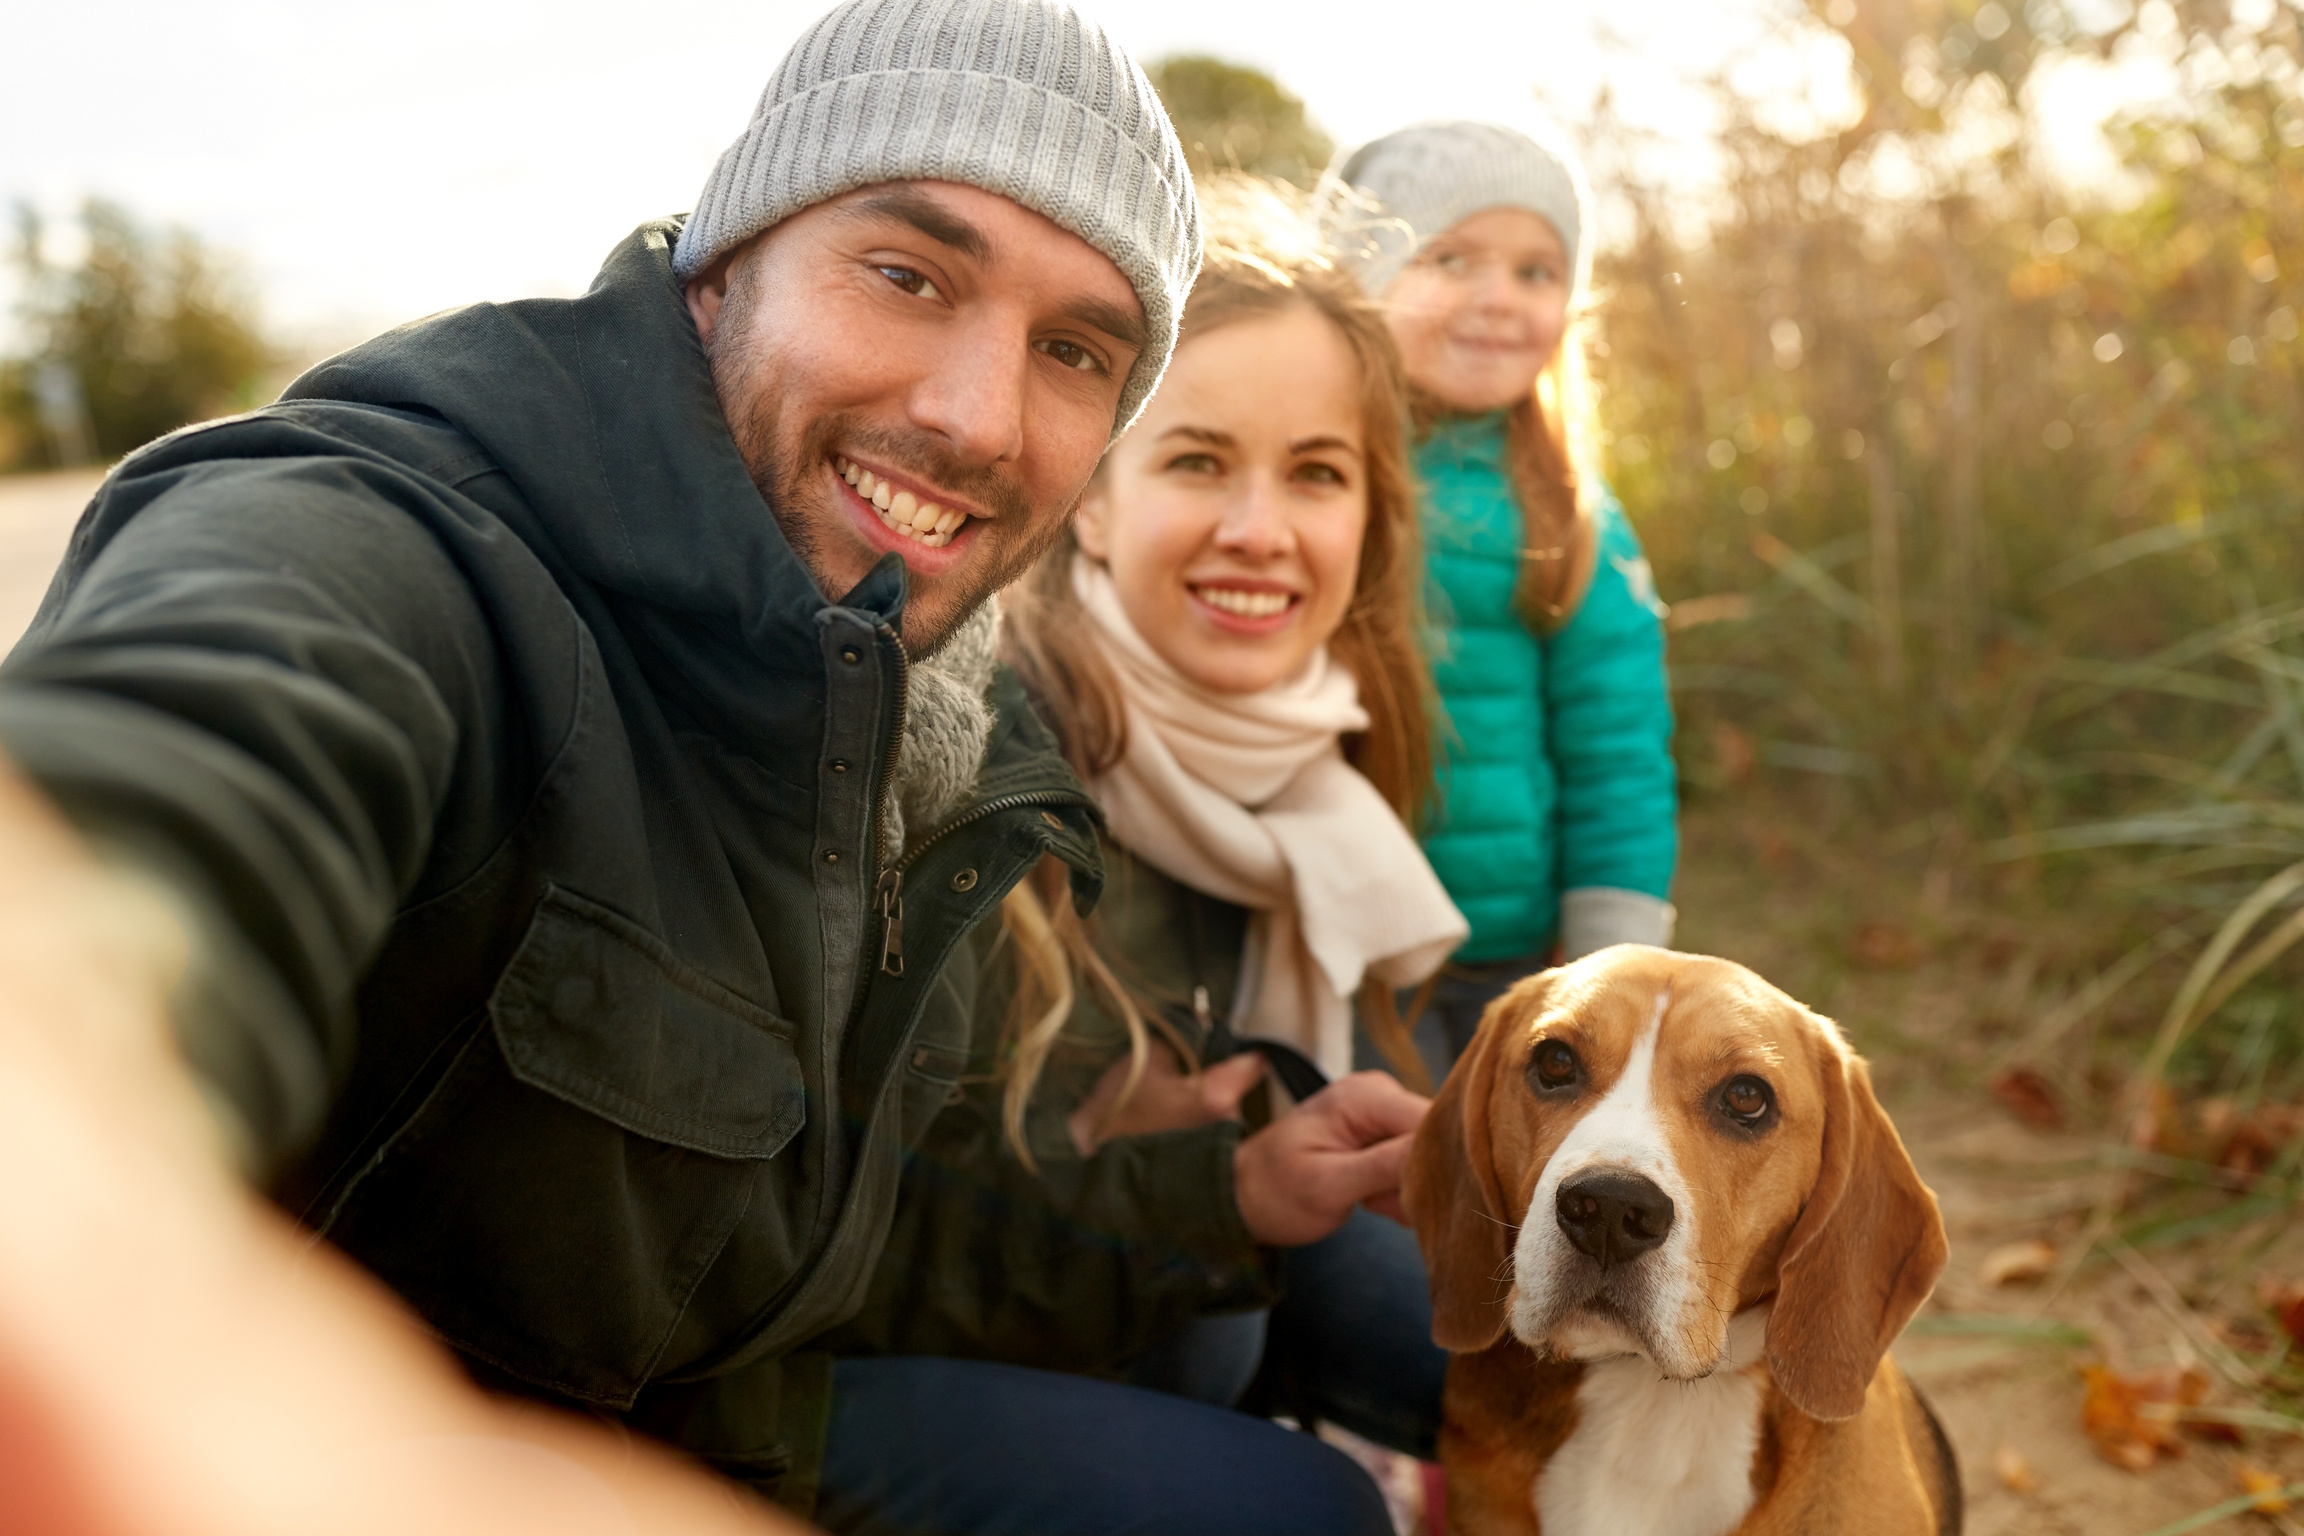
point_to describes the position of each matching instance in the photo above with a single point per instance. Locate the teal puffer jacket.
(1555, 752)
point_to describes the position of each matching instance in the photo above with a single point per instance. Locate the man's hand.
(1299, 1177)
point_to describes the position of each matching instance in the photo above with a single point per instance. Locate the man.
(565, 733)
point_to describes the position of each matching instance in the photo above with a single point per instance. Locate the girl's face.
(1231, 514)
(1481, 310)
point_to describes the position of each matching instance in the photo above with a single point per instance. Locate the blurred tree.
(1231, 117)
(147, 332)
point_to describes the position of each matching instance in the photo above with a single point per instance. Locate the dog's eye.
(1746, 1100)
(1554, 1065)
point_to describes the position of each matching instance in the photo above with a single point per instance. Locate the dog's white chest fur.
(1657, 1456)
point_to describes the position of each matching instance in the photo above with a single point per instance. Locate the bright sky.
(373, 163)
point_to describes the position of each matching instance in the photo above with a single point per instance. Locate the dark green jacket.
(1152, 1226)
(533, 786)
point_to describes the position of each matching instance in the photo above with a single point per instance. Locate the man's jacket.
(531, 791)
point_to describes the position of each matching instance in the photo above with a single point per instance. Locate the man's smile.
(901, 511)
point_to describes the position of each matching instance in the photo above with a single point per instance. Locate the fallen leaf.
(2264, 1485)
(2285, 1298)
(2253, 1142)
(2017, 1263)
(1885, 947)
(2015, 1473)
(2028, 1096)
(2111, 1411)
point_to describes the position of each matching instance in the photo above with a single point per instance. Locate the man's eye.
(911, 282)
(1073, 355)
(1554, 1065)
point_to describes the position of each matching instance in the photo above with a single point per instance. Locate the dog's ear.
(1453, 1196)
(1861, 1259)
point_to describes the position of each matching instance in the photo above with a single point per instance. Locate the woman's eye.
(911, 282)
(1195, 464)
(1554, 1065)
(1450, 262)
(1746, 1100)
(1073, 355)
(1537, 276)
(1320, 474)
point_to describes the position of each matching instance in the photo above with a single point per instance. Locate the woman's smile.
(1231, 515)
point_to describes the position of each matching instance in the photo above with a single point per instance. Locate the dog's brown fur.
(1823, 1216)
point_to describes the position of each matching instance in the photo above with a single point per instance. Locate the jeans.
(960, 1448)
(1462, 995)
(929, 1447)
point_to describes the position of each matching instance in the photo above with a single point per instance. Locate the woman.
(1225, 649)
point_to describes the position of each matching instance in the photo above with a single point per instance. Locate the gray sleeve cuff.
(1593, 917)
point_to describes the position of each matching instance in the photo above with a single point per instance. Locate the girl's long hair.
(1261, 258)
(1551, 453)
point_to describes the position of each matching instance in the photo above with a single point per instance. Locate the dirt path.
(36, 517)
(2001, 1365)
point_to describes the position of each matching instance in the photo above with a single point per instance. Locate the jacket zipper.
(890, 893)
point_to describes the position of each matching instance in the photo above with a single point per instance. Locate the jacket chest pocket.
(556, 1198)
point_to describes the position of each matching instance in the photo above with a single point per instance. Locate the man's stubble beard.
(784, 464)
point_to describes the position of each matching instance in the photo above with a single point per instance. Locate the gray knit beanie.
(1019, 97)
(1389, 198)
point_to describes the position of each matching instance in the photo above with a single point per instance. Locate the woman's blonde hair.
(1261, 257)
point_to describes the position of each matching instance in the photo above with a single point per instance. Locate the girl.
(1226, 650)
(1555, 827)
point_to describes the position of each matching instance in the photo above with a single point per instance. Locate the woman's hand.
(1166, 1097)
(1299, 1177)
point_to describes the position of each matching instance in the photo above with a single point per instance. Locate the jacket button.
(1050, 818)
(839, 765)
(851, 655)
(964, 881)
(831, 855)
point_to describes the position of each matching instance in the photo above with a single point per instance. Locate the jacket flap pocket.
(597, 1011)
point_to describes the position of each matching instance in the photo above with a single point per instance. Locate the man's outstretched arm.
(251, 689)
(174, 1361)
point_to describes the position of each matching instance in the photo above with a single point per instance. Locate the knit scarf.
(1248, 798)
(946, 726)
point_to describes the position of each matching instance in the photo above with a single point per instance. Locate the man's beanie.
(1390, 197)
(1019, 97)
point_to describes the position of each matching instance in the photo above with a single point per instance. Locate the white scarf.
(1247, 796)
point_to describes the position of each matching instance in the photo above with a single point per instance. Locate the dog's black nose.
(1614, 1217)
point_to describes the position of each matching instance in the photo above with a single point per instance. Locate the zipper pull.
(890, 898)
(1200, 1009)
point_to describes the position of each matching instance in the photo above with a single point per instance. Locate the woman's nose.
(1255, 524)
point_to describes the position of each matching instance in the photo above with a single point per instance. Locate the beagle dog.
(1671, 1235)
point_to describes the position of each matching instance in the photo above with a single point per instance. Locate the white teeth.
(924, 522)
(1249, 605)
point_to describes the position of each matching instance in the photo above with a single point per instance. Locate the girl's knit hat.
(1020, 97)
(1388, 199)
